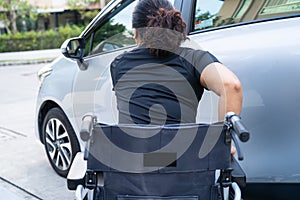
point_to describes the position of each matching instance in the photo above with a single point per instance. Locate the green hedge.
(49, 39)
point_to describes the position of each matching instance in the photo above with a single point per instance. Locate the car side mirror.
(73, 48)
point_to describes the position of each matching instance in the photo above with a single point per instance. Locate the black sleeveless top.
(153, 90)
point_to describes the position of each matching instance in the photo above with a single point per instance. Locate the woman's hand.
(233, 150)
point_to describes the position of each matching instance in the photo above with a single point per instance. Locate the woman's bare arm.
(219, 79)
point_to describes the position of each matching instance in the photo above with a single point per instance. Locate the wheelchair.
(169, 162)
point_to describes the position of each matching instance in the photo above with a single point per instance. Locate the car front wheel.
(61, 144)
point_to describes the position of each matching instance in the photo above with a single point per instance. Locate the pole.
(102, 3)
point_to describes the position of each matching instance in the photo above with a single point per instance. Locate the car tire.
(60, 141)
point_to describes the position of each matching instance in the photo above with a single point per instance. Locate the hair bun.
(170, 19)
(161, 27)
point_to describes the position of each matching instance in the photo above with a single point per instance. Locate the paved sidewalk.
(10, 191)
(28, 57)
(6, 195)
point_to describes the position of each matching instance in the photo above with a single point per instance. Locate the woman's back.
(159, 90)
(159, 82)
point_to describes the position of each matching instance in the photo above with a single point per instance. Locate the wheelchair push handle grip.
(242, 132)
(238, 126)
(86, 127)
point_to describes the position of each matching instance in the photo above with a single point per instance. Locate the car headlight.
(44, 72)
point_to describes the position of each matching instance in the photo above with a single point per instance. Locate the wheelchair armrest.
(238, 174)
(76, 175)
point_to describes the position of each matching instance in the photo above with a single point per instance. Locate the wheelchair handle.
(235, 122)
(86, 127)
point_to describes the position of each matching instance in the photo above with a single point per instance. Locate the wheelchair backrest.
(159, 149)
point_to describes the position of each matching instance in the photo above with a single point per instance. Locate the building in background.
(247, 10)
(223, 12)
(55, 13)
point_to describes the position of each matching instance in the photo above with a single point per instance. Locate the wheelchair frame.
(208, 152)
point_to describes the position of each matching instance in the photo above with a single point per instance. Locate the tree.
(14, 9)
(80, 6)
(75, 4)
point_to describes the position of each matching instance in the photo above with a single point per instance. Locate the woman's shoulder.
(117, 60)
(191, 55)
(197, 57)
(186, 51)
(132, 55)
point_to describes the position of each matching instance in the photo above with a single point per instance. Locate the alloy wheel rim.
(58, 144)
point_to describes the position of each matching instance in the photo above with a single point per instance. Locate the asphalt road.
(24, 169)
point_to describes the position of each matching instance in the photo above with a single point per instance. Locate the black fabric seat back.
(151, 162)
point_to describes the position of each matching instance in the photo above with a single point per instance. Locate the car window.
(114, 34)
(215, 13)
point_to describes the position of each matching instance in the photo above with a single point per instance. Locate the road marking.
(19, 190)
(7, 134)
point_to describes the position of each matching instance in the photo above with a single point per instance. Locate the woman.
(160, 82)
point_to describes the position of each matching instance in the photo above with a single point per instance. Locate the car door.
(108, 37)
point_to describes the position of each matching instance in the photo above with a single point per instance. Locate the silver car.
(258, 40)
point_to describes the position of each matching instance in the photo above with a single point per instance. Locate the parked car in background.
(257, 39)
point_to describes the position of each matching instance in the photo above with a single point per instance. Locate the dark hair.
(160, 27)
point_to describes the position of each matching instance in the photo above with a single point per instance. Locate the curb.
(28, 57)
(30, 62)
